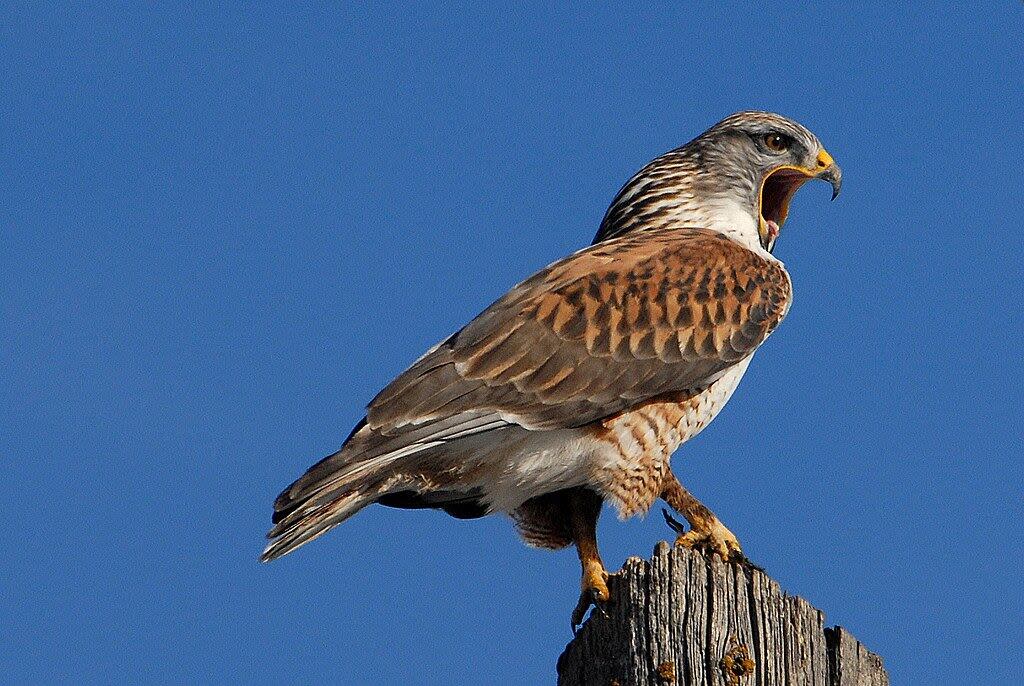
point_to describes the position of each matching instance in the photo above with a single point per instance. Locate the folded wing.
(595, 333)
(589, 336)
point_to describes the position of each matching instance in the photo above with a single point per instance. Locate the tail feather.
(313, 523)
(329, 493)
(317, 489)
(369, 467)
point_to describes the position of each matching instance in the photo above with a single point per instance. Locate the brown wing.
(594, 334)
(589, 336)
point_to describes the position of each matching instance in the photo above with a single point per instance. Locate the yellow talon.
(711, 535)
(595, 583)
(593, 591)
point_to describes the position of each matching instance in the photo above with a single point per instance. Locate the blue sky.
(225, 229)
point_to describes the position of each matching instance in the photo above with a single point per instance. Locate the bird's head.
(739, 176)
(762, 159)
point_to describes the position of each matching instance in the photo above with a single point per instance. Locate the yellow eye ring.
(776, 142)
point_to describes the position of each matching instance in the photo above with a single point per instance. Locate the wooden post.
(684, 619)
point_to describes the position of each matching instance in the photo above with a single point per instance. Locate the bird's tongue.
(773, 228)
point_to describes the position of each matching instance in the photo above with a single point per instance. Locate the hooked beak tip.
(829, 171)
(834, 175)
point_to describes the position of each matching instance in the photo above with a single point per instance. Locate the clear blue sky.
(224, 230)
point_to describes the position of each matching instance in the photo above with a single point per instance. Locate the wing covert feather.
(591, 335)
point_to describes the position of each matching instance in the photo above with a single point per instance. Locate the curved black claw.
(589, 597)
(673, 523)
(705, 547)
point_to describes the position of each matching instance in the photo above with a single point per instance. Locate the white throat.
(735, 221)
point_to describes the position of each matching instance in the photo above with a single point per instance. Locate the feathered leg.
(584, 509)
(706, 531)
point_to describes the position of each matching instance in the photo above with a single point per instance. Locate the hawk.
(576, 386)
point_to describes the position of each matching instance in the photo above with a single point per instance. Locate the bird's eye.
(776, 142)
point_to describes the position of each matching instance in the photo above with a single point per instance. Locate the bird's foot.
(711, 536)
(594, 591)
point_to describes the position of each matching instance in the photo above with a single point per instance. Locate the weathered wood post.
(684, 619)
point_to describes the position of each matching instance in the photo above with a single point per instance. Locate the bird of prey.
(576, 386)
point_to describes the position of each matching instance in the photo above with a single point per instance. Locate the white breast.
(708, 404)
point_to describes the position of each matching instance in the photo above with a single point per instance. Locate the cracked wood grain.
(684, 619)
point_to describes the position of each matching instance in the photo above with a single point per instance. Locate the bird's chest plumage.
(640, 441)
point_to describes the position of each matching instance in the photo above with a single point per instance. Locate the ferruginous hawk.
(576, 386)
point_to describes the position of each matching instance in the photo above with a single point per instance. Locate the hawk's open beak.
(780, 185)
